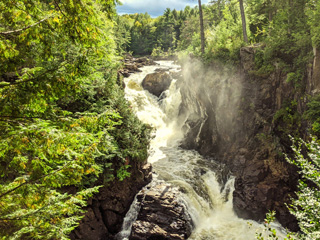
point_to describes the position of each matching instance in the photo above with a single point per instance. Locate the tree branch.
(32, 181)
(20, 81)
(8, 118)
(25, 28)
(57, 5)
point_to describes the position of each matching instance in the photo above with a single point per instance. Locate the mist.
(211, 97)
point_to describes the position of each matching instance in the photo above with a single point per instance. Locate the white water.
(208, 202)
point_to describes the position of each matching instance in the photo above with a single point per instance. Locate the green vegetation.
(306, 207)
(64, 123)
(179, 31)
(287, 120)
(286, 31)
(269, 230)
(313, 114)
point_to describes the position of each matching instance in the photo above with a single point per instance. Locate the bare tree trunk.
(270, 16)
(201, 28)
(244, 25)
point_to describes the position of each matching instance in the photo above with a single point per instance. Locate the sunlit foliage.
(64, 122)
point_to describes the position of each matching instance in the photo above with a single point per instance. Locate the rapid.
(204, 185)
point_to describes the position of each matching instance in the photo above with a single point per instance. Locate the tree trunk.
(244, 25)
(201, 28)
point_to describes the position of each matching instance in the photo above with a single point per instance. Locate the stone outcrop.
(265, 180)
(162, 215)
(132, 64)
(106, 210)
(157, 82)
(228, 113)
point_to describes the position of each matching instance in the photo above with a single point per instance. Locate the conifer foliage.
(64, 123)
(306, 208)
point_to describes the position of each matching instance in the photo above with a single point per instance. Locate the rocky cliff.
(231, 114)
(107, 209)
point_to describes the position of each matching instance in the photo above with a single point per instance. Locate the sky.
(154, 7)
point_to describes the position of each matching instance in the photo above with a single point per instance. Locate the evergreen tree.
(64, 122)
(306, 208)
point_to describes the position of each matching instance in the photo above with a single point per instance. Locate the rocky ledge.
(162, 215)
(132, 64)
(107, 209)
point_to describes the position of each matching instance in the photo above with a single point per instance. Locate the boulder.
(162, 215)
(156, 83)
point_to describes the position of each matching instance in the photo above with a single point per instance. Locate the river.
(208, 198)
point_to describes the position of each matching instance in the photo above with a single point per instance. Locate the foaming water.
(208, 198)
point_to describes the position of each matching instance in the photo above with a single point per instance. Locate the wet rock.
(162, 215)
(156, 83)
(106, 210)
(162, 70)
(132, 65)
(176, 74)
(144, 60)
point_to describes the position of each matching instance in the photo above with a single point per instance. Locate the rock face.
(229, 115)
(265, 180)
(162, 215)
(157, 82)
(105, 212)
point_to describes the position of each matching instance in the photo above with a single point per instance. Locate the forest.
(66, 128)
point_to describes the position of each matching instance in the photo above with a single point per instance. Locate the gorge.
(216, 146)
(206, 184)
(149, 127)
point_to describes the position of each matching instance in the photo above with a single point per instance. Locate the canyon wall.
(231, 114)
(106, 210)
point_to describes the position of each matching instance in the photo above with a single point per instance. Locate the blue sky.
(154, 7)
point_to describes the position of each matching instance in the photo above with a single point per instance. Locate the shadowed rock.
(106, 210)
(230, 116)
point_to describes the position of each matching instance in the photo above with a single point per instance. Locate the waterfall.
(208, 199)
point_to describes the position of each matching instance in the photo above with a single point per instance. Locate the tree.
(215, 11)
(306, 208)
(201, 28)
(243, 18)
(64, 122)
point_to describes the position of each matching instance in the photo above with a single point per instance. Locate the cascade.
(208, 198)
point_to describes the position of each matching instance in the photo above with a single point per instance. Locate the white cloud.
(154, 7)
